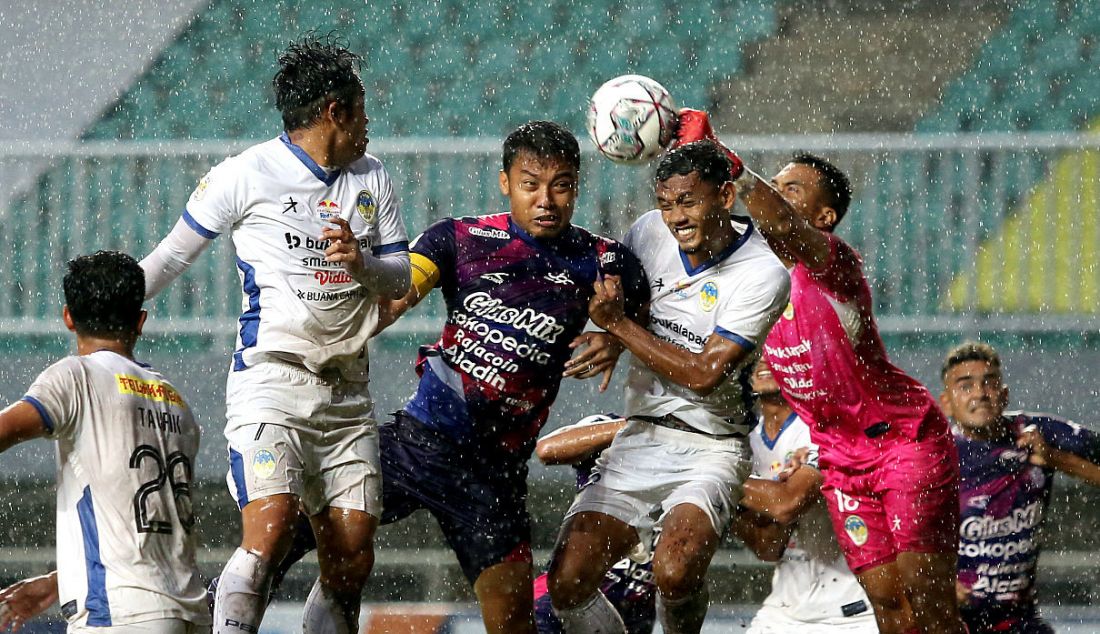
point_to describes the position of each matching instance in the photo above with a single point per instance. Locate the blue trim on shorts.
(236, 469)
(99, 611)
(47, 422)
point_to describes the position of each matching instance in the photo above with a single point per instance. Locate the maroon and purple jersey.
(514, 303)
(1002, 499)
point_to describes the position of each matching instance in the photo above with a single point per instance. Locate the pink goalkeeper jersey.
(826, 353)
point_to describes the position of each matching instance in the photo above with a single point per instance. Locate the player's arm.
(574, 443)
(26, 599)
(387, 276)
(791, 236)
(424, 277)
(1045, 454)
(700, 372)
(784, 500)
(20, 421)
(764, 536)
(173, 255)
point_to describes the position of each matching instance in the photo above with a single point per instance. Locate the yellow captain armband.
(425, 274)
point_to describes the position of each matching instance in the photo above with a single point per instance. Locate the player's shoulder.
(493, 226)
(368, 164)
(1043, 420)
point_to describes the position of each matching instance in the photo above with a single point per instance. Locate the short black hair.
(835, 183)
(544, 140)
(970, 351)
(314, 71)
(703, 157)
(104, 292)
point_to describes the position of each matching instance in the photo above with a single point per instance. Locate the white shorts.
(772, 620)
(648, 470)
(292, 431)
(159, 626)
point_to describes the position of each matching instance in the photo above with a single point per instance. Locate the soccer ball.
(631, 119)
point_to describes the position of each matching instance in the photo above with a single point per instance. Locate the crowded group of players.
(733, 289)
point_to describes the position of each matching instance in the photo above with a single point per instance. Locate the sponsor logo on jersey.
(561, 278)
(364, 204)
(495, 278)
(708, 297)
(328, 208)
(200, 189)
(607, 257)
(788, 312)
(856, 529)
(158, 391)
(490, 233)
(264, 463)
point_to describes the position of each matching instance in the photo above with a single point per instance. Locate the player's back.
(829, 359)
(126, 446)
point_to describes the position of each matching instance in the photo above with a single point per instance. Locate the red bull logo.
(328, 208)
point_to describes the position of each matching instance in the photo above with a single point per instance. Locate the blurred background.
(967, 128)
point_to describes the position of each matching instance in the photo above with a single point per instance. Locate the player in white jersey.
(784, 519)
(680, 462)
(319, 240)
(126, 443)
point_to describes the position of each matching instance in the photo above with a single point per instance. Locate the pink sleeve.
(842, 275)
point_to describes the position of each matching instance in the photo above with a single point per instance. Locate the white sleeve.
(177, 251)
(389, 276)
(55, 394)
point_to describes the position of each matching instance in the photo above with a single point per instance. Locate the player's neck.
(315, 143)
(996, 430)
(727, 235)
(776, 412)
(87, 344)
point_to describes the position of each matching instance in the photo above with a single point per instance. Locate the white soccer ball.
(631, 119)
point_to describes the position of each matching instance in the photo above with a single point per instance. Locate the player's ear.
(504, 182)
(67, 317)
(945, 405)
(727, 195)
(141, 322)
(825, 218)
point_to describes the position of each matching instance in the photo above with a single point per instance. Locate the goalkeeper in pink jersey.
(890, 467)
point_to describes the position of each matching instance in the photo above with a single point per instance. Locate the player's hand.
(605, 309)
(694, 125)
(1039, 452)
(599, 352)
(798, 458)
(24, 600)
(962, 593)
(343, 246)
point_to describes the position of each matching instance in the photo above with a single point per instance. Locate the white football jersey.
(811, 583)
(126, 444)
(275, 200)
(738, 294)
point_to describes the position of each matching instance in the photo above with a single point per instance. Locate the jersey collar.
(326, 177)
(722, 255)
(563, 240)
(770, 442)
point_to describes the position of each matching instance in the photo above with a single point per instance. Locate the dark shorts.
(1022, 620)
(479, 501)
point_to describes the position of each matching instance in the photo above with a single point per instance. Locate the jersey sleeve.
(392, 236)
(55, 394)
(217, 202)
(437, 245)
(1069, 436)
(842, 275)
(619, 260)
(748, 315)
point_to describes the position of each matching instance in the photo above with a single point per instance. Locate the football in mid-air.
(631, 119)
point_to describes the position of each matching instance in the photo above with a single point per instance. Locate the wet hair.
(838, 190)
(970, 351)
(702, 157)
(544, 140)
(104, 292)
(314, 71)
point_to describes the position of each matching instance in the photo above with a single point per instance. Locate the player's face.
(800, 185)
(763, 383)
(697, 213)
(350, 140)
(541, 194)
(974, 394)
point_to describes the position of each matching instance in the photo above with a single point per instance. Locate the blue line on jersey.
(47, 422)
(718, 257)
(387, 249)
(99, 610)
(770, 442)
(199, 229)
(322, 175)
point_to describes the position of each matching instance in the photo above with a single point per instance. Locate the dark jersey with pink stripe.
(1003, 498)
(514, 303)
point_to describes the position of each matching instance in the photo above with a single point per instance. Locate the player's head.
(974, 393)
(763, 382)
(817, 189)
(103, 296)
(317, 83)
(695, 196)
(541, 165)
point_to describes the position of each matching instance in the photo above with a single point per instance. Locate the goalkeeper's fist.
(694, 125)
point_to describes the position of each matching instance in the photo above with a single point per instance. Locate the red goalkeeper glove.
(694, 125)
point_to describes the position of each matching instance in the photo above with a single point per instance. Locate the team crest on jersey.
(364, 204)
(200, 189)
(264, 463)
(856, 529)
(328, 208)
(788, 312)
(708, 297)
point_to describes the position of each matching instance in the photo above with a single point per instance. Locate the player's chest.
(517, 275)
(295, 215)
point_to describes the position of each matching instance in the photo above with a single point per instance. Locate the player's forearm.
(791, 237)
(701, 373)
(782, 501)
(766, 539)
(171, 257)
(1074, 465)
(389, 276)
(572, 444)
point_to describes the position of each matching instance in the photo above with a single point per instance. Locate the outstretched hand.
(599, 353)
(26, 599)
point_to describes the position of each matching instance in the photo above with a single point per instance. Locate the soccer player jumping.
(891, 472)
